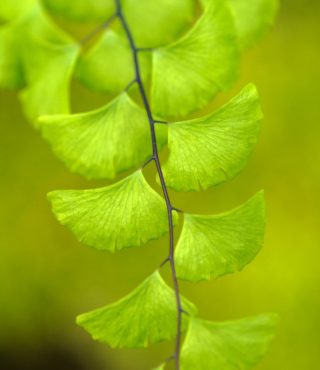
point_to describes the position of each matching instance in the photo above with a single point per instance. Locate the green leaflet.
(11, 9)
(37, 25)
(105, 142)
(188, 73)
(108, 65)
(209, 150)
(158, 22)
(252, 18)
(212, 246)
(48, 70)
(100, 144)
(82, 10)
(22, 42)
(231, 345)
(13, 35)
(11, 69)
(126, 214)
(161, 367)
(147, 315)
(166, 18)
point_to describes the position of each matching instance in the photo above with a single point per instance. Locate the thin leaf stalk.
(170, 209)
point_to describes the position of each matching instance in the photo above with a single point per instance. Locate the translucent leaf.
(209, 150)
(212, 246)
(108, 65)
(11, 9)
(13, 37)
(166, 18)
(11, 69)
(49, 71)
(17, 38)
(147, 315)
(126, 214)
(161, 367)
(189, 72)
(82, 10)
(229, 345)
(104, 142)
(253, 18)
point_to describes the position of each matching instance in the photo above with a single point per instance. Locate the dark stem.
(155, 157)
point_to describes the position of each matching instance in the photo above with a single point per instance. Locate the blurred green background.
(47, 277)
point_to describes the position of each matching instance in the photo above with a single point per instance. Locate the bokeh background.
(47, 277)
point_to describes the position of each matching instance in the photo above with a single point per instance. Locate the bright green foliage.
(209, 150)
(161, 367)
(105, 142)
(252, 18)
(147, 315)
(166, 18)
(48, 72)
(158, 22)
(38, 26)
(11, 70)
(82, 10)
(11, 9)
(154, 23)
(19, 41)
(231, 345)
(188, 65)
(212, 246)
(108, 66)
(126, 214)
(13, 35)
(189, 72)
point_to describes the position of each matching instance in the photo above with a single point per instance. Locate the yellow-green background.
(47, 278)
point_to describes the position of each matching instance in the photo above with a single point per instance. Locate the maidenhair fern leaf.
(189, 67)
(10, 9)
(82, 10)
(212, 246)
(253, 18)
(49, 69)
(15, 39)
(11, 69)
(147, 315)
(209, 150)
(37, 24)
(158, 22)
(19, 41)
(229, 345)
(166, 19)
(189, 72)
(105, 142)
(126, 214)
(161, 367)
(108, 67)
